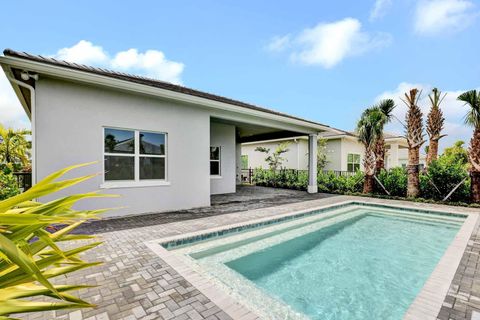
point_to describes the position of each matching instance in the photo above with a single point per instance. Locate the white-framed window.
(215, 156)
(134, 155)
(353, 162)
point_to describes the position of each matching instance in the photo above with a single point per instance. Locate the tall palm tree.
(472, 99)
(369, 129)
(14, 146)
(435, 121)
(386, 107)
(414, 132)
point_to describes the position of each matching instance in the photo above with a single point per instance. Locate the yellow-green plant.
(14, 146)
(30, 255)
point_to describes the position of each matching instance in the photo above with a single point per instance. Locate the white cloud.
(278, 43)
(379, 9)
(151, 63)
(440, 16)
(453, 110)
(327, 44)
(11, 111)
(83, 52)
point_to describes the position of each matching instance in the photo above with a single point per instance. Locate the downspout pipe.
(32, 119)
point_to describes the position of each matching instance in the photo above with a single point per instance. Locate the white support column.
(312, 163)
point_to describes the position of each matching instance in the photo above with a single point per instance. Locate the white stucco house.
(160, 146)
(344, 152)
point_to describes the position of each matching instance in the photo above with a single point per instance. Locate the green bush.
(444, 175)
(285, 178)
(8, 185)
(394, 180)
(294, 179)
(331, 183)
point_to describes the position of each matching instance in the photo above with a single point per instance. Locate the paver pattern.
(134, 283)
(463, 299)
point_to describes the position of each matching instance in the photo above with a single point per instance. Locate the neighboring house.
(160, 146)
(344, 152)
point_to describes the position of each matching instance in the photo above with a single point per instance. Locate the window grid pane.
(214, 168)
(152, 168)
(119, 141)
(119, 168)
(152, 143)
(214, 153)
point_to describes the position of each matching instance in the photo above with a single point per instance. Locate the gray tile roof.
(146, 81)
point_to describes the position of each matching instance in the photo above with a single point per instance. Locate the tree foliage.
(14, 146)
(275, 160)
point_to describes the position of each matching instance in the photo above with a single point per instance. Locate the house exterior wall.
(223, 136)
(69, 130)
(337, 151)
(333, 152)
(354, 147)
(295, 158)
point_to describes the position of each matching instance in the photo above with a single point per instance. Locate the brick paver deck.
(463, 298)
(134, 283)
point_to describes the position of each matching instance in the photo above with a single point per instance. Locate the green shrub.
(331, 183)
(394, 180)
(444, 173)
(8, 185)
(285, 178)
(444, 176)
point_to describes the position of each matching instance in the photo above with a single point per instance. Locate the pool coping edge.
(429, 300)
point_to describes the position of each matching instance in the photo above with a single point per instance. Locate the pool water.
(371, 266)
(347, 262)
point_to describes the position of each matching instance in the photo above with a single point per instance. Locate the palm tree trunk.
(432, 151)
(368, 184)
(369, 168)
(413, 185)
(380, 155)
(475, 186)
(474, 158)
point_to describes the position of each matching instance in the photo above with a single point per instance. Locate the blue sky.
(321, 60)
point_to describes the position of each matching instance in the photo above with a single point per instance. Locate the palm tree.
(472, 99)
(14, 145)
(435, 122)
(414, 132)
(369, 129)
(386, 107)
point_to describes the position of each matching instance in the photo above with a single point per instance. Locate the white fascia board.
(86, 77)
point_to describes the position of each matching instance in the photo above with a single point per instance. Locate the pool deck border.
(426, 305)
(429, 301)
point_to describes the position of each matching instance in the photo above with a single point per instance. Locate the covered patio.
(225, 161)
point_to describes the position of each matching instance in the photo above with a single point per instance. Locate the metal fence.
(247, 174)
(24, 180)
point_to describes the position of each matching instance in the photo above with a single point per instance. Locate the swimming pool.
(347, 262)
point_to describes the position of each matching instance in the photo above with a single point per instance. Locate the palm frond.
(472, 99)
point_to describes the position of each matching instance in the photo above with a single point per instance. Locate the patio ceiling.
(247, 132)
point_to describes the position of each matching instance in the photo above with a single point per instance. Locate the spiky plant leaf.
(30, 255)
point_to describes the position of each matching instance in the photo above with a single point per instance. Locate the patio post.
(312, 163)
